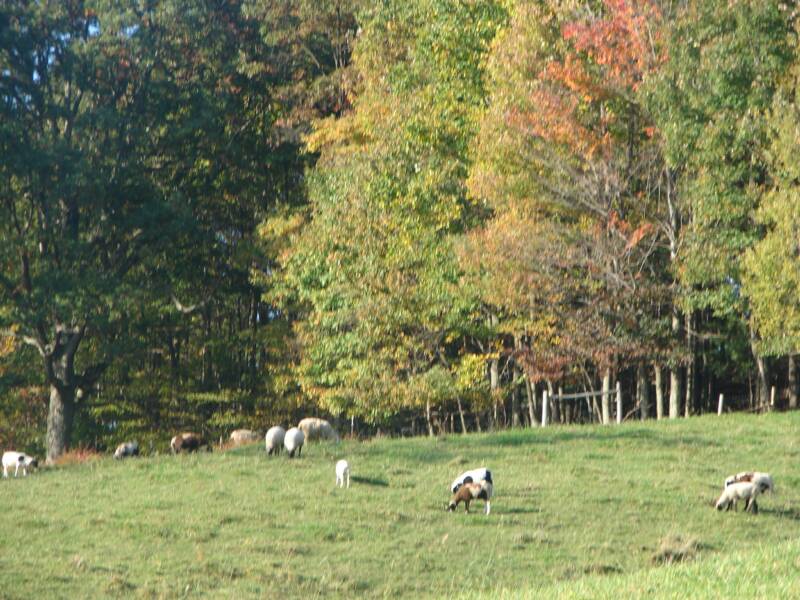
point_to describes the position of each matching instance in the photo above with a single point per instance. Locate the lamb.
(188, 442)
(274, 439)
(342, 471)
(470, 491)
(317, 429)
(762, 480)
(18, 460)
(293, 441)
(740, 490)
(473, 475)
(126, 449)
(243, 436)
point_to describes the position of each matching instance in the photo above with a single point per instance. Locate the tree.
(725, 61)
(374, 271)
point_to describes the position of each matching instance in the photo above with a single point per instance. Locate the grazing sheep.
(317, 429)
(188, 442)
(470, 491)
(274, 439)
(762, 480)
(18, 460)
(741, 490)
(293, 441)
(342, 472)
(243, 436)
(471, 476)
(126, 449)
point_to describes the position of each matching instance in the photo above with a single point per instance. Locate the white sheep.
(18, 460)
(126, 449)
(467, 492)
(274, 439)
(479, 474)
(243, 436)
(762, 480)
(317, 429)
(293, 441)
(741, 490)
(342, 472)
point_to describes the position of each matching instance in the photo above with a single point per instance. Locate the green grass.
(579, 512)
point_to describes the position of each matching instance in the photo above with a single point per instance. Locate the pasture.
(581, 512)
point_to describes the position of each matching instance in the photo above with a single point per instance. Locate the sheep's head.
(34, 464)
(451, 507)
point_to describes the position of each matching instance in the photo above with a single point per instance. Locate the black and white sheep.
(18, 460)
(126, 449)
(473, 475)
(293, 441)
(467, 492)
(274, 439)
(317, 429)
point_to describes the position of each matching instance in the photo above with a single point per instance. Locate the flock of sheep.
(475, 484)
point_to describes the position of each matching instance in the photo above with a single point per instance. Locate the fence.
(581, 396)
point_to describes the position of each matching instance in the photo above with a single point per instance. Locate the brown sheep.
(188, 442)
(472, 491)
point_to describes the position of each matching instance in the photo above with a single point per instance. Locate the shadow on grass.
(782, 513)
(370, 481)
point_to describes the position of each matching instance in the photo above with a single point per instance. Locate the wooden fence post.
(721, 404)
(619, 402)
(772, 398)
(544, 408)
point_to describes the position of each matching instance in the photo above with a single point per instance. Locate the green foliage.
(772, 267)
(374, 271)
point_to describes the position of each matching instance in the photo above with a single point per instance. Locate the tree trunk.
(642, 392)
(763, 373)
(428, 418)
(606, 399)
(689, 404)
(461, 416)
(494, 384)
(531, 391)
(659, 392)
(59, 421)
(792, 382)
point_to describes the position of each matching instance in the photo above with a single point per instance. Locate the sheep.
(243, 436)
(293, 441)
(126, 449)
(740, 490)
(274, 439)
(317, 429)
(18, 460)
(342, 472)
(188, 442)
(470, 491)
(762, 480)
(471, 476)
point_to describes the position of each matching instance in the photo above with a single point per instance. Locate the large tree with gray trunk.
(81, 216)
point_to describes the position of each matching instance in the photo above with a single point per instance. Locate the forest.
(412, 217)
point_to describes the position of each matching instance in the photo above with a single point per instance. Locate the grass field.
(583, 512)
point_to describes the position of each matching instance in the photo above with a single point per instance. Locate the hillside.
(579, 512)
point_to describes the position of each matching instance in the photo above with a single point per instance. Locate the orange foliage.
(605, 63)
(78, 456)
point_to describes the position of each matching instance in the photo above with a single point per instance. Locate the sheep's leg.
(5, 471)
(466, 506)
(16, 470)
(487, 507)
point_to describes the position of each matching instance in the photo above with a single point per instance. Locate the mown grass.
(579, 512)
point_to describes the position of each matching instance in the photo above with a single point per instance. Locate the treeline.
(414, 214)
